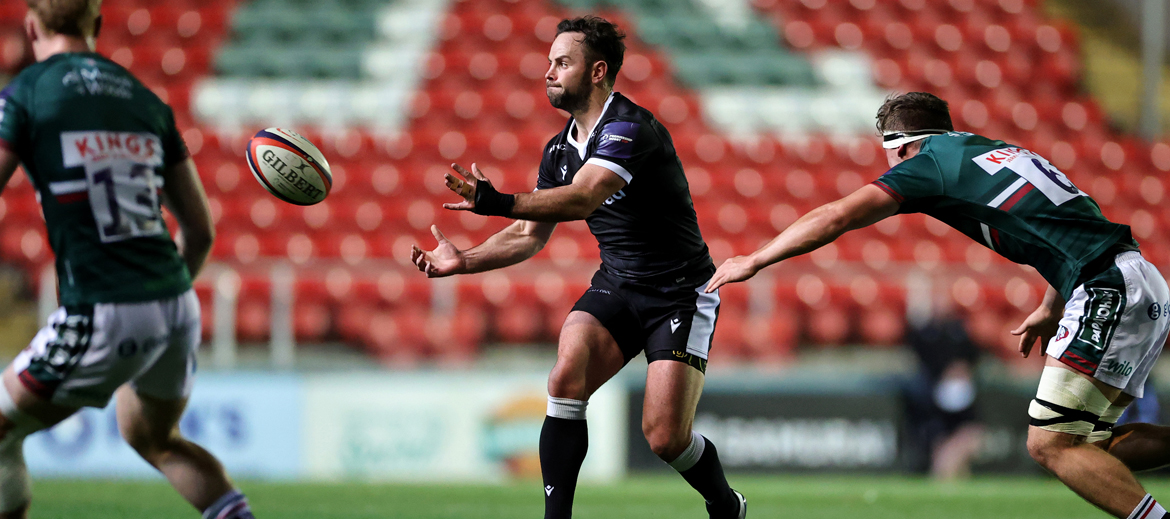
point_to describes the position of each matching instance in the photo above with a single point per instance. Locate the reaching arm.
(8, 163)
(819, 227)
(184, 196)
(1042, 323)
(515, 243)
(591, 186)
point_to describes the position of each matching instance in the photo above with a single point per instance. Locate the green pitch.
(639, 497)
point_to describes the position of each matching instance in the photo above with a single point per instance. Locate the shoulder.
(626, 122)
(25, 81)
(622, 109)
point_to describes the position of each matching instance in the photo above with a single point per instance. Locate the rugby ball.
(289, 166)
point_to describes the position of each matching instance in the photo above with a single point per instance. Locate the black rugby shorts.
(672, 322)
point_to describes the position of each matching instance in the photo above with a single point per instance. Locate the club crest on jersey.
(1062, 334)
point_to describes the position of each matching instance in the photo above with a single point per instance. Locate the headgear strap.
(893, 139)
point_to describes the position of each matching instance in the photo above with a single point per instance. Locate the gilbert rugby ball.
(289, 166)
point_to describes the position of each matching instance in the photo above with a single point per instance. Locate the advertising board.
(445, 426)
(251, 422)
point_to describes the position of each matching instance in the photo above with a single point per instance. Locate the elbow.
(579, 208)
(582, 212)
(199, 241)
(836, 222)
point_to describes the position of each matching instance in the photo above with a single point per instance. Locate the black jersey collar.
(580, 146)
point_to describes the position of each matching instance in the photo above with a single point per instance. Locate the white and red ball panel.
(289, 166)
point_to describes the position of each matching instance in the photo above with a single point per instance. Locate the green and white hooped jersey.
(1009, 199)
(95, 143)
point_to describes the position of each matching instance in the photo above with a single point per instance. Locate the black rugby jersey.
(648, 230)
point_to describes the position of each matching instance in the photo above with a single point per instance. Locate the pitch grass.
(638, 497)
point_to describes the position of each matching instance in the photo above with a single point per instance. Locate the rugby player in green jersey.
(103, 153)
(1104, 315)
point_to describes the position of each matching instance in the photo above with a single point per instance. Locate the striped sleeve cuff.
(620, 171)
(889, 190)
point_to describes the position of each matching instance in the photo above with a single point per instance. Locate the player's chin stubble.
(569, 100)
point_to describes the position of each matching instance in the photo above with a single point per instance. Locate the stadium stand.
(763, 98)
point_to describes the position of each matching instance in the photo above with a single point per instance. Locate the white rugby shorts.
(1114, 325)
(86, 352)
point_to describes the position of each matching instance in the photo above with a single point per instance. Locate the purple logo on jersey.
(617, 140)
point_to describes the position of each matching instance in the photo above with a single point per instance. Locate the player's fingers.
(459, 169)
(1020, 330)
(1026, 344)
(439, 234)
(452, 182)
(461, 206)
(476, 172)
(715, 283)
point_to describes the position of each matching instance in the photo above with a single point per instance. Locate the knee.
(565, 385)
(667, 441)
(568, 379)
(148, 444)
(1045, 447)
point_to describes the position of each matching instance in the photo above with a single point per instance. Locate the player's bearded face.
(571, 92)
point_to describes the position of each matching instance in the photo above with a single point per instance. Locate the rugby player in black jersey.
(615, 167)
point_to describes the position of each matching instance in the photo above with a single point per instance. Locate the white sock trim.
(1148, 508)
(227, 505)
(691, 455)
(566, 408)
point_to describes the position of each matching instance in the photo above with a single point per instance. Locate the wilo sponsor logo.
(1123, 368)
(1102, 313)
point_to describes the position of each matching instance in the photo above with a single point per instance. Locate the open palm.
(444, 260)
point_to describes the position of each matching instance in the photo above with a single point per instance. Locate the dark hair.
(68, 17)
(603, 42)
(914, 111)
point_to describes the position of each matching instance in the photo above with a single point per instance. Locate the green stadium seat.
(583, 5)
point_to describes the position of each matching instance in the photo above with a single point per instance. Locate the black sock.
(563, 443)
(706, 473)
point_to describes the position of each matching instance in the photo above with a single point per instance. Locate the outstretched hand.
(444, 261)
(464, 186)
(733, 270)
(1041, 324)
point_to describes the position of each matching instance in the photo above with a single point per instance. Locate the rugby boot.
(740, 511)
